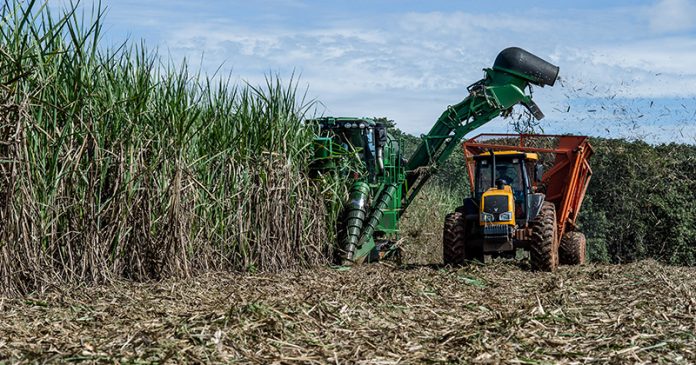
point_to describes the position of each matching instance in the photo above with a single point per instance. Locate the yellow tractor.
(515, 205)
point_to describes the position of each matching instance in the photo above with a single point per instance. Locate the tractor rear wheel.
(544, 246)
(572, 249)
(454, 239)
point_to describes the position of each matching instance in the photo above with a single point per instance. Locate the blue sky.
(628, 68)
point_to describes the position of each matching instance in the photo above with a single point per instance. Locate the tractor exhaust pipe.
(492, 167)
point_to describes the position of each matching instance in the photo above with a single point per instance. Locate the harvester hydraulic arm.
(502, 88)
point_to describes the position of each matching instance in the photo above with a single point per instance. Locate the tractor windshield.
(508, 170)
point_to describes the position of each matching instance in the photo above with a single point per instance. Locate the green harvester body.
(384, 182)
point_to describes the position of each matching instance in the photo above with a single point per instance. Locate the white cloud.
(673, 15)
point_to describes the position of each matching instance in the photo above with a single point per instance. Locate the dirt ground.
(377, 314)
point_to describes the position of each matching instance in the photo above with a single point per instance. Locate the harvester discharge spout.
(523, 64)
(516, 61)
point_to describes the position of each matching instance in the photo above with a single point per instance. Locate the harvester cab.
(362, 140)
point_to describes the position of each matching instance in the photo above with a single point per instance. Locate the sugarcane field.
(366, 182)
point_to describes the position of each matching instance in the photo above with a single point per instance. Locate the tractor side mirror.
(538, 172)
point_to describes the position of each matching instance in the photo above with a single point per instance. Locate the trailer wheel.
(572, 249)
(544, 246)
(454, 239)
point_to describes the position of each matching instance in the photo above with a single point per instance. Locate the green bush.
(640, 201)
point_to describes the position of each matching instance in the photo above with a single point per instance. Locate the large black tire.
(572, 249)
(543, 250)
(454, 239)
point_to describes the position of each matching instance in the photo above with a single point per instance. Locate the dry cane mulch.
(378, 314)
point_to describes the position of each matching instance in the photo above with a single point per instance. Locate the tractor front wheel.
(572, 249)
(454, 239)
(544, 245)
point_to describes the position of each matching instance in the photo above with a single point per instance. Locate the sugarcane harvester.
(384, 183)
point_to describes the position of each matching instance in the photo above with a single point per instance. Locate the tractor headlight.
(504, 217)
(487, 217)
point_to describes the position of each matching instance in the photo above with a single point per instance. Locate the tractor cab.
(503, 183)
(503, 198)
